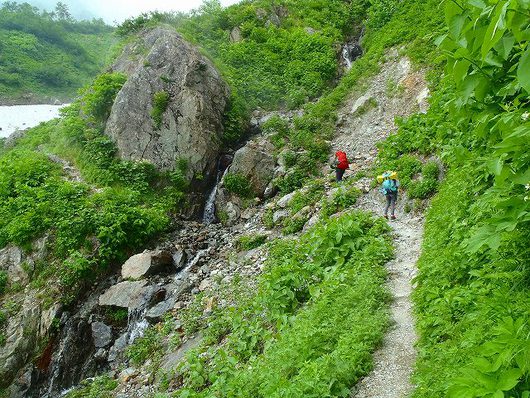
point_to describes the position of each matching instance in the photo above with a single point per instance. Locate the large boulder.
(191, 125)
(146, 263)
(130, 295)
(256, 162)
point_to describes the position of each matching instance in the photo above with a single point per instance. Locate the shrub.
(146, 347)
(249, 242)
(293, 225)
(425, 187)
(160, 104)
(99, 97)
(407, 167)
(292, 181)
(238, 184)
(431, 170)
(344, 198)
(99, 387)
(289, 158)
(3, 282)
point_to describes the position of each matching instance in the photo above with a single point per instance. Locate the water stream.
(209, 208)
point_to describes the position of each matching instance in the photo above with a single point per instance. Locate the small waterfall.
(136, 324)
(351, 51)
(184, 274)
(209, 208)
(346, 57)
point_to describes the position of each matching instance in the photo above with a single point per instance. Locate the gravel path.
(367, 118)
(394, 362)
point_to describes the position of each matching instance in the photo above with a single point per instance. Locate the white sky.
(118, 10)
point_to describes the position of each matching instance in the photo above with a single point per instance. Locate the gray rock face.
(11, 261)
(102, 334)
(256, 162)
(191, 125)
(117, 349)
(155, 314)
(285, 200)
(131, 295)
(235, 35)
(21, 339)
(146, 263)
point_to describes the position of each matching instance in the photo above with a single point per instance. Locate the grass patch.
(160, 104)
(308, 314)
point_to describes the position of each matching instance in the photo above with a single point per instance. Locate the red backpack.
(343, 160)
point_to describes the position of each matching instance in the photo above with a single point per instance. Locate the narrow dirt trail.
(365, 119)
(394, 361)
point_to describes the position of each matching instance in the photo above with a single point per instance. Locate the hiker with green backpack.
(389, 188)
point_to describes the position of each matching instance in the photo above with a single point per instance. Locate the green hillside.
(48, 55)
(310, 323)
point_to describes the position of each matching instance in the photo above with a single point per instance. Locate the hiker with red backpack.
(341, 163)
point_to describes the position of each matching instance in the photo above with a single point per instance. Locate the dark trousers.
(339, 173)
(391, 200)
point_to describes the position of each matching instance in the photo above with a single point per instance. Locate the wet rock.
(117, 349)
(131, 295)
(179, 259)
(156, 313)
(72, 360)
(146, 263)
(102, 334)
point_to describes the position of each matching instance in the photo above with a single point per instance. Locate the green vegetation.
(3, 282)
(278, 62)
(249, 242)
(309, 327)
(100, 387)
(117, 315)
(238, 184)
(91, 229)
(472, 295)
(345, 197)
(160, 104)
(147, 346)
(48, 54)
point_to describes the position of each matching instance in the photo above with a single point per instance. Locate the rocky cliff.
(171, 107)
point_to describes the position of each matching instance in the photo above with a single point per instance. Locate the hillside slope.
(288, 296)
(48, 56)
